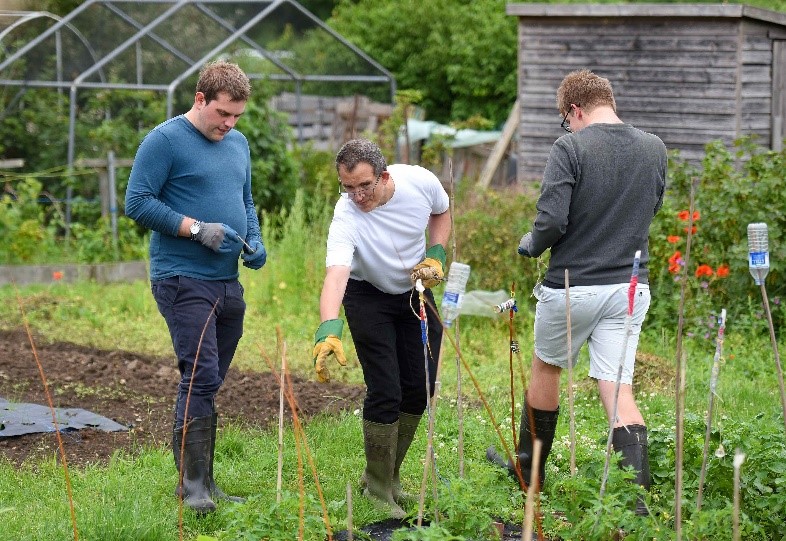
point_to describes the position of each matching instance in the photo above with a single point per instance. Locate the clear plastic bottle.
(454, 292)
(758, 252)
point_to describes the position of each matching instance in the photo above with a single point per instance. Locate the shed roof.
(730, 11)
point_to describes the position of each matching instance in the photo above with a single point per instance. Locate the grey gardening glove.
(220, 238)
(525, 245)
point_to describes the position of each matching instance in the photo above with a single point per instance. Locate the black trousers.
(187, 306)
(387, 333)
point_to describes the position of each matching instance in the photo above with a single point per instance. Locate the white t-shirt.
(382, 246)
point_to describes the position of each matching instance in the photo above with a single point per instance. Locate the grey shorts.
(597, 316)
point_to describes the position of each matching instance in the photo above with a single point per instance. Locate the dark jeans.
(389, 343)
(186, 304)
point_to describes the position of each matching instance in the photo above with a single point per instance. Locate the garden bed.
(137, 391)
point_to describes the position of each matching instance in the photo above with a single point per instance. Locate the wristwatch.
(194, 229)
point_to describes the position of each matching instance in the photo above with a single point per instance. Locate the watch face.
(195, 228)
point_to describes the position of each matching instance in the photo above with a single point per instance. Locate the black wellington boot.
(631, 442)
(544, 429)
(215, 492)
(194, 469)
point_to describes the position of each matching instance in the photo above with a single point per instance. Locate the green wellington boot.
(407, 427)
(380, 442)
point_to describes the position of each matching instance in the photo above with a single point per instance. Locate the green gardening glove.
(327, 341)
(430, 270)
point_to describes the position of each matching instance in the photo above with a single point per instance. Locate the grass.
(130, 498)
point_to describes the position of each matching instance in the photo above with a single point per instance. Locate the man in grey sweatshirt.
(603, 183)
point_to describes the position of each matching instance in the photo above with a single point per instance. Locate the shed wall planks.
(690, 80)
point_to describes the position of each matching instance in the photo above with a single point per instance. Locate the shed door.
(778, 94)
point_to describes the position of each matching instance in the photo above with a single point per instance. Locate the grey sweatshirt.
(601, 188)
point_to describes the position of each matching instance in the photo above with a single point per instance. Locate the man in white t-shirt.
(376, 250)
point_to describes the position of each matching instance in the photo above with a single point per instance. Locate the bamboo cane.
(679, 385)
(529, 508)
(512, 339)
(279, 472)
(774, 342)
(456, 336)
(634, 279)
(713, 386)
(60, 447)
(432, 406)
(571, 409)
(739, 458)
(350, 526)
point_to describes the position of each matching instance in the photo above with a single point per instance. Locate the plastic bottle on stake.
(454, 292)
(758, 252)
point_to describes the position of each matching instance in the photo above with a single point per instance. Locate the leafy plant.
(735, 186)
(277, 521)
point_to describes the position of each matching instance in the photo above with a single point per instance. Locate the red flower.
(692, 230)
(675, 257)
(673, 239)
(704, 270)
(57, 275)
(684, 215)
(674, 268)
(723, 271)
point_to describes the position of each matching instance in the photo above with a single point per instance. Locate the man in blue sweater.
(603, 184)
(191, 185)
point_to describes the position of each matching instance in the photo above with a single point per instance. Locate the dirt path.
(136, 391)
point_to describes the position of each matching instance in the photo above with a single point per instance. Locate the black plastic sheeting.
(18, 418)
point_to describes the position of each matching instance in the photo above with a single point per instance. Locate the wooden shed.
(689, 73)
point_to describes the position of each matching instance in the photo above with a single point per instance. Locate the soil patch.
(136, 391)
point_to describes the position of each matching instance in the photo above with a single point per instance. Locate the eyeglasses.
(565, 125)
(364, 191)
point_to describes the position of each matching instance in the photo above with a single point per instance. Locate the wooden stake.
(350, 526)
(774, 342)
(571, 409)
(529, 509)
(679, 384)
(713, 385)
(459, 398)
(282, 348)
(739, 458)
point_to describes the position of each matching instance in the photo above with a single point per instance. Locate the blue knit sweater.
(178, 172)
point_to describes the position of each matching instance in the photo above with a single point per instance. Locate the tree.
(461, 54)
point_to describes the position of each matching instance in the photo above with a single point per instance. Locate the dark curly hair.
(358, 151)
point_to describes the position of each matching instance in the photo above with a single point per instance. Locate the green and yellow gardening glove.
(430, 271)
(327, 340)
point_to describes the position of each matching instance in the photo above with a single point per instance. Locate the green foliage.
(388, 134)
(433, 532)
(735, 187)
(488, 226)
(33, 224)
(273, 171)
(460, 54)
(276, 521)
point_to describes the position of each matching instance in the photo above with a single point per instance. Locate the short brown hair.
(585, 89)
(222, 76)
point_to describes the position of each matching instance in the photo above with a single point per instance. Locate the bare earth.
(136, 391)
